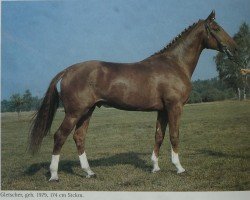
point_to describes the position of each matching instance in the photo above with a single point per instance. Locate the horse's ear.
(211, 17)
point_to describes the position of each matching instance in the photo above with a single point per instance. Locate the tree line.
(210, 90)
(18, 103)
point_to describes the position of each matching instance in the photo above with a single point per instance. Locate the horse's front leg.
(161, 124)
(174, 115)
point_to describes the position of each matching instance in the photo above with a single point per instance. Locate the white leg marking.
(85, 165)
(154, 159)
(176, 162)
(54, 167)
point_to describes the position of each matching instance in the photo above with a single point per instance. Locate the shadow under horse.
(129, 158)
(161, 83)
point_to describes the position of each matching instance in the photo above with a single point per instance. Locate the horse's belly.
(136, 100)
(132, 107)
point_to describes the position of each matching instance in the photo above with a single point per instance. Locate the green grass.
(214, 149)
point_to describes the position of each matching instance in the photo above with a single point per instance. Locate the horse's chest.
(177, 90)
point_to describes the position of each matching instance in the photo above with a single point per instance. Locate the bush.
(210, 90)
(212, 94)
(195, 97)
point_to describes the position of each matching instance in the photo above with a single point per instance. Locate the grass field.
(214, 149)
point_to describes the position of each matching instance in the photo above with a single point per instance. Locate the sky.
(41, 38)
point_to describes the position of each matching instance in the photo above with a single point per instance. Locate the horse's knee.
(174, 139)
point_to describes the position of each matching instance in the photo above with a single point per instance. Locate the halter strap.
(211, 32)
(222, 46)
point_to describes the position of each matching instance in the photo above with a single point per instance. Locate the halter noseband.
(222, 46)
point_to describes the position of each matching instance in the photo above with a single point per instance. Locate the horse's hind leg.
(79, 137)
(59, 138)
(161, 124)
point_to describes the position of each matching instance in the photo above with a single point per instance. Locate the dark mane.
(173, 41)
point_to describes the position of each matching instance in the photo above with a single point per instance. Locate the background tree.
(16, 102)
(27, 100)
(6, 106)
(229, 70)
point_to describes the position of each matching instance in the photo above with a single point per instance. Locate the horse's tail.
(43, 118)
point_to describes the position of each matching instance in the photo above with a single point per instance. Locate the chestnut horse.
(161, 82)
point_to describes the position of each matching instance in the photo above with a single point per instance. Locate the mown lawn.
(214, 149)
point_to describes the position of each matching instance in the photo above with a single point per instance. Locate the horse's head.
(217, 38)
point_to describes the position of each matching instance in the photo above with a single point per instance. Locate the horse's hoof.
(155, 170)
(181, 171)
(54, 179)
(91, 176)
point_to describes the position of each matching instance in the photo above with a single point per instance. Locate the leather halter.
(222, 46)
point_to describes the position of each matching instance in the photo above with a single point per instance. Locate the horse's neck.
(187, 51)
